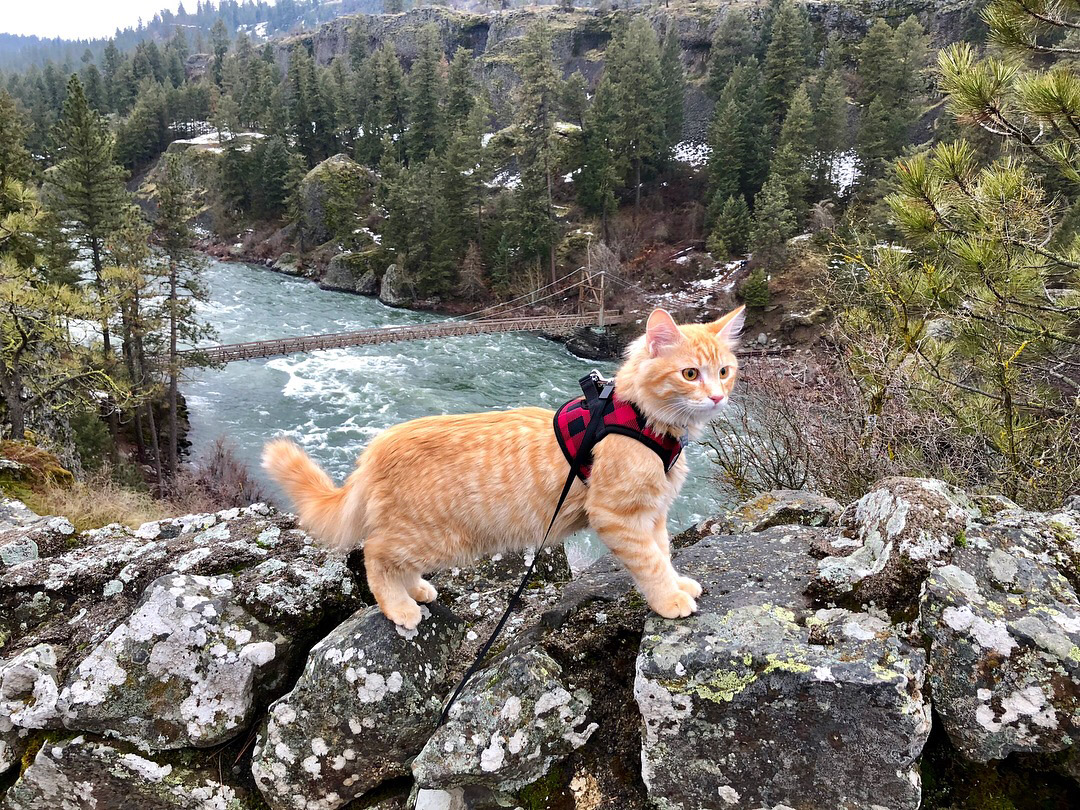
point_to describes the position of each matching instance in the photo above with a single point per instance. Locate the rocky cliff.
(580, 37)
(223, 661)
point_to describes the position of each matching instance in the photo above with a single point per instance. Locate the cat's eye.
(724, 372)
(690, 374)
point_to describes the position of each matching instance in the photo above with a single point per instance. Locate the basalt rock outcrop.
(225, 661)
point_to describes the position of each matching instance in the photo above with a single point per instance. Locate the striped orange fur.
(444, 490)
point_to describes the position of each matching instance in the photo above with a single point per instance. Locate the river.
(333, 402)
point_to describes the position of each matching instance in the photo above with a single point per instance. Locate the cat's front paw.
(690, 586)
(404, 615)
(423, 591)
(675, 604)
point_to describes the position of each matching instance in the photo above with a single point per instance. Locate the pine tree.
(14, 158)
(279, 173)
(461, 88)
(219, 41)
(791, 164)
(183, 288)
(40, 366)
(86, 187)
(391, 97)
(787, 58)
(113, 63)
(740, 136)
(830, 132)
(735, 41)
(427, 132)
(635, 81)
(774, 223)
(575, 98)
(731, 229)
(672, 88)
(598, 178)
(538, 98)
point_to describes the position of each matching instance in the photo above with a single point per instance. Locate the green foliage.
(754, 291)
(735, 41)
(794, 151)
(731, 228)
(774, 223)
(672, 88)
(787, 57)
(40, 365)
(739, 136)
(890, 86)
(634, 80)
(427, 132)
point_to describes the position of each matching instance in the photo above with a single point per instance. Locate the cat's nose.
(716, 398)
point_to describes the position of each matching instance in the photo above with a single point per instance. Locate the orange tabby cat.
(443, 490)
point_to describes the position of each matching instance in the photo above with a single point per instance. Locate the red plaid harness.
(617, 416)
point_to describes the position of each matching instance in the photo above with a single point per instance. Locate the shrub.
(754, 291)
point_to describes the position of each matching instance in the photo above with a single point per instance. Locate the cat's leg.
(631, 539)
(421, 590)
(390, 587)
(663, 542)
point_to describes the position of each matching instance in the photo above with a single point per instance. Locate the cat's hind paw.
(423, 591)
(690, 586)
(404, 614)
(676, 604)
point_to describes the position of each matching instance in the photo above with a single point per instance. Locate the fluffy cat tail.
(333, 515)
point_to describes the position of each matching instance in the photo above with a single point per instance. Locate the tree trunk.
(16, 408)
(637, 188)
(174, 440)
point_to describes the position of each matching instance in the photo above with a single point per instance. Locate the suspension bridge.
(516, 315)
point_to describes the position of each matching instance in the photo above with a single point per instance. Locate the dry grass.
(98, 501)
(219, 481)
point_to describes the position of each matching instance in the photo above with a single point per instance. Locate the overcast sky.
(78, 19)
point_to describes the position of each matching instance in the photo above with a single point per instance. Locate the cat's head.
(682, 376)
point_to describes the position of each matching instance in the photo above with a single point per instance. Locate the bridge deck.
(391, 334)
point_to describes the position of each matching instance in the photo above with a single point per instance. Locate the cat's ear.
(661, 333)
(729, 327)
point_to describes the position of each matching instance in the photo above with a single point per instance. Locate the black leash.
(596, 408)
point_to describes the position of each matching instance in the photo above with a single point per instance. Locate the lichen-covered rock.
(899, 530)
(28, 697)
(82, 775)
(1004, 627)
(351, 271)
(75, 594)
(185, 669)
(755, 701)
(784, 507)
(510, 724)
(394, 289)
(367, 701)
(333, 197)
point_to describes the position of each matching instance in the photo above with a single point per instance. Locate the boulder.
(351, 272)
(75, 595)
(511, 723)
(784, 507)
(394, 289)
(186, 669)
(28, 700)
(334, 197)
(367, 701)
(1003, 622)
(289, 264)
(79, 774)
(899, 530)
(756, 701)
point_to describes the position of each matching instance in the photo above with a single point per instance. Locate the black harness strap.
(596, 407)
